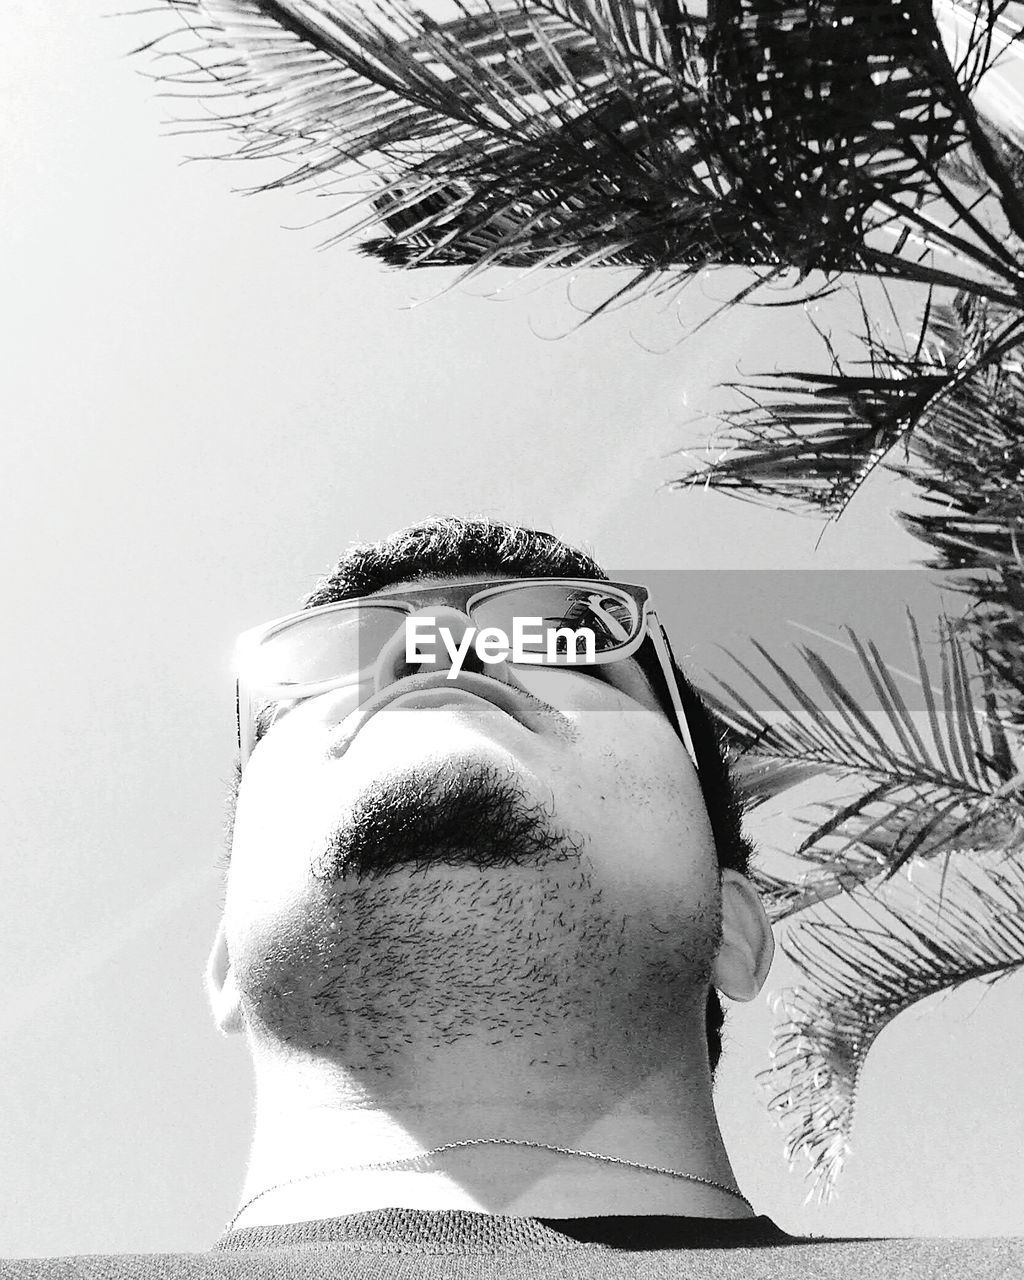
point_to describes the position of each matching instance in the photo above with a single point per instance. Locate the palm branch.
(844, 136)
(925, 931)
(995, 628)
(952, 402)
(830, 136)
(813, 441)
(967, 460)
(835, 136)
(915, 789)
(913, 883)
(962, 444)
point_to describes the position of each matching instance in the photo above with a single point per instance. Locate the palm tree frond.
(521, 131)
(809, 440)
(927, 931)
(995, 629)
(913, 797)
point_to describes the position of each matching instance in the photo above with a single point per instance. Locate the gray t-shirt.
(405, 1244)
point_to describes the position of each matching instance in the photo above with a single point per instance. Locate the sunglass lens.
(327, 646)
(612, 616)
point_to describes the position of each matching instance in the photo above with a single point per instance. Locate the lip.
(517, 703)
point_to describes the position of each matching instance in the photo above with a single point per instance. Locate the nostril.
(394, 664)
(402, 668)
(473, 662)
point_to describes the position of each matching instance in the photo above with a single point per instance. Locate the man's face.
(421, 842)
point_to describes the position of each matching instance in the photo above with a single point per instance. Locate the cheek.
(285, 803)
(635, 794)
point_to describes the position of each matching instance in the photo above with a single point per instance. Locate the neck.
(318, 1128)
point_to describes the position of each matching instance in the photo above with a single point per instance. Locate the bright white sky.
(201, 410)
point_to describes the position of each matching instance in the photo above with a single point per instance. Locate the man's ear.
(221, 988)
(745, 955)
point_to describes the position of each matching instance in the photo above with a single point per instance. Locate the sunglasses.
(333, 646)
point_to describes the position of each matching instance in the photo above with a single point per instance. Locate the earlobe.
(221, 989)
(747, 947)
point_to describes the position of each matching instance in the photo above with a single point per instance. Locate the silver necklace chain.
(493, 1142)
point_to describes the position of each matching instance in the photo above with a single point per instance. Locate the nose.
(393, 664)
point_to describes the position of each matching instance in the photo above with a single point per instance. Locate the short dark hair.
(451, 546)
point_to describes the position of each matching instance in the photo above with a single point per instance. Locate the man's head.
(456, 864)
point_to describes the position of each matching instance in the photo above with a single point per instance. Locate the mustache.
(479, 817)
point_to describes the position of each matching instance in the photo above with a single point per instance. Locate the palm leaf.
(810, 440)
(525, 132)
(784, 896)
(911, 797)
(969, 452)
(995, 629)
(926, 931)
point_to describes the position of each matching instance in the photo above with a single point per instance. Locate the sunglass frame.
(462, 596)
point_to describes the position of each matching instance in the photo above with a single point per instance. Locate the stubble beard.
(453, 908)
